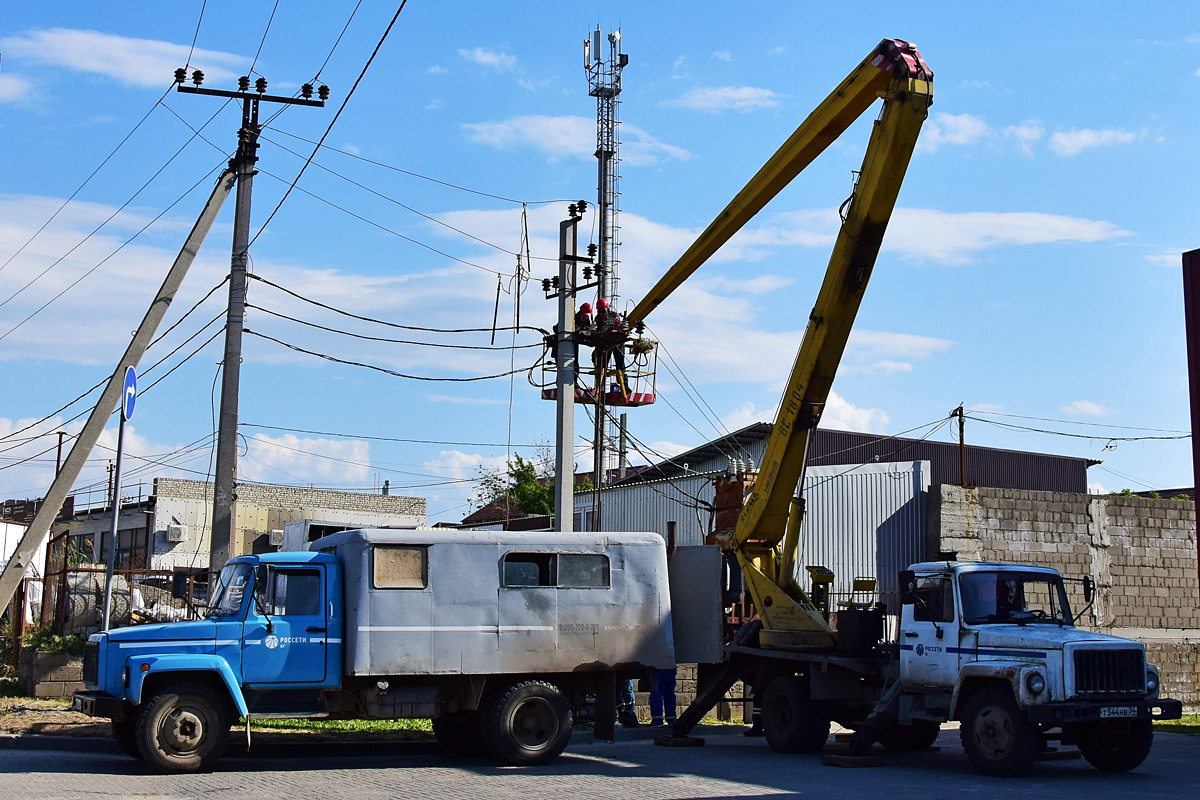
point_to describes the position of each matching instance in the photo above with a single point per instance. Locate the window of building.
(399, 566)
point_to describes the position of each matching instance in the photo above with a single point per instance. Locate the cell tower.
(604, 84)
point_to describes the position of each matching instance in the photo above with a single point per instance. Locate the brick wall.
(1140, 552)
(294, 497)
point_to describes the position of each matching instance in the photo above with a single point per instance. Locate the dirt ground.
(22, 715)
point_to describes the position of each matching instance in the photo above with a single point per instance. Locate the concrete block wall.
(295, 497)
(1140, 552)
(49, 674)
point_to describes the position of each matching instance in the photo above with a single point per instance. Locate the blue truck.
(497, 637)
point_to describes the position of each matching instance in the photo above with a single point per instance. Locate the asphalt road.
(728, 766)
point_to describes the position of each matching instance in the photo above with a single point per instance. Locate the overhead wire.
(379, 438)
(263, 40)
(332, 122)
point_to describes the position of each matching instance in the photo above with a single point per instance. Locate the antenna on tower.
(604, 84)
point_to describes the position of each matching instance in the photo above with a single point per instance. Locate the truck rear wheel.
(792, 722)
(1117, 750)
(460, 733)
(998, 737)
(125, 732)
(183, 728)
(528, 723)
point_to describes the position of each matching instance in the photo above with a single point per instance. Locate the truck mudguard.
(182, 662)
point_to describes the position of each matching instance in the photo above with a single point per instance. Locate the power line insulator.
(546, 285)
(197, 77)
(587, 272)
(306, 91)
(592, 250)
(243, 83)
(323, 92)
(571, 211)
(260, 85)
(181, 75)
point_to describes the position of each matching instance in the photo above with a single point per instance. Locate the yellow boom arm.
(896, 73)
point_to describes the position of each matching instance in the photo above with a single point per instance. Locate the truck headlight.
(1151, 681)
(1035, 683)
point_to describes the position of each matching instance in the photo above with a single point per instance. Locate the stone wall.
(1140, 552)
(295, 497)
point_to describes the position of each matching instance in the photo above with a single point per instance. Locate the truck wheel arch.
(969, 686)
(164, 670)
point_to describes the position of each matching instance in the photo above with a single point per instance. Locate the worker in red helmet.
(608, 320)
(583, 317)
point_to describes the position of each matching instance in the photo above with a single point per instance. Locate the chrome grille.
(1110, 673)
(91, 662)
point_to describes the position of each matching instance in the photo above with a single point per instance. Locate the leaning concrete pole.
(57, 494)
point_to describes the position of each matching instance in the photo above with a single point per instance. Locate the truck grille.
(1109, 673)
(91, 662)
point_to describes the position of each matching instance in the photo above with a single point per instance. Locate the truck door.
(291, 649)
(929, 635)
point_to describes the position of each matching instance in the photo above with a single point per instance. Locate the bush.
(46, 641)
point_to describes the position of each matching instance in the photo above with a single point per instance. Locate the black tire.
(125, 732)
(1117, 750)
(183, 728)
(911, 738)
(460, 734)
(528, 723)
(997, 735)
(792, 722)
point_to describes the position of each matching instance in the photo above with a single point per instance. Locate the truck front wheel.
(183, 728)
(792, 722)
(1117, 750)
(125, 732)
(998, 737)
(460, 733)
(528, 723)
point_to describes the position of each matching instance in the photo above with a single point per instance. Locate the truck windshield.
(1013, 597)
(230, 590)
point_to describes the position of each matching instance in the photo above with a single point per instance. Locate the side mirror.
(1089, 588)
(908, 587)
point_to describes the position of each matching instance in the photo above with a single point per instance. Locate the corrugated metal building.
(986, 466)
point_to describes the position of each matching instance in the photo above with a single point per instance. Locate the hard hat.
(602, 303)
(586, 308)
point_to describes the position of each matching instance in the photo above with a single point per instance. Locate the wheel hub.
(535, 722)
(994, 733)
(182, 730)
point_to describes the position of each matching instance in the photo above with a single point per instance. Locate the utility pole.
(623, 448)
(962, 446)
(566, 356)
(242, 165)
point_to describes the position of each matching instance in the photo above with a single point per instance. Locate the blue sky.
(1031, 270)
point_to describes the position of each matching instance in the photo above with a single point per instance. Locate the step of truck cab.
(287, 703)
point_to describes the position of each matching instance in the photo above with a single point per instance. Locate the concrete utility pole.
(242, 165)
(566, 356)
(57, 493)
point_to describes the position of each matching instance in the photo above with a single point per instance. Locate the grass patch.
(1190, 723)
(402, 729)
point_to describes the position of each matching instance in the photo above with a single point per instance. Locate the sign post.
(128, 399)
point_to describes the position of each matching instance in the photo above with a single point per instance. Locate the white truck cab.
(995, 646)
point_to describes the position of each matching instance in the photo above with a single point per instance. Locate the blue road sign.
(129, 396)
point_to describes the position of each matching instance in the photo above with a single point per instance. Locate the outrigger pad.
(667, 740)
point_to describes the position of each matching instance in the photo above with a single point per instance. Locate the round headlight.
(1151, 681)
(1035, 683)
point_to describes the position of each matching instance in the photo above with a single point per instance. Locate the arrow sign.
(129, 396)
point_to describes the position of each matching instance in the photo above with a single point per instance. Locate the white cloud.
(723, 55)
(1171, 259)
(777, 51)
(1073, 142)
(956, 238)
(1025, 135)
(501, 62)
(290, 458)
(1086, 408)
(136, 62)
(532, 85)
(677, 68)
(943, 236)
(437, 69)
(571, 137)
(976, 84)
(839, 415)
(958, 129)
(350, 148)
(467, 401)
(716, 99)
(14, 88)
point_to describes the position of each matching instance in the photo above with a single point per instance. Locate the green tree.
(523, 484)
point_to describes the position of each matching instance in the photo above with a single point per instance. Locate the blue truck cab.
(498, 637)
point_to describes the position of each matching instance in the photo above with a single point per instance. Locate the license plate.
(1118, 712)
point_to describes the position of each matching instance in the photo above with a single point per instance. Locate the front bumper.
(1060, 713)
(99, 704)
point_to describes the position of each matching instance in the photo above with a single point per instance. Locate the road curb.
(35, 741)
